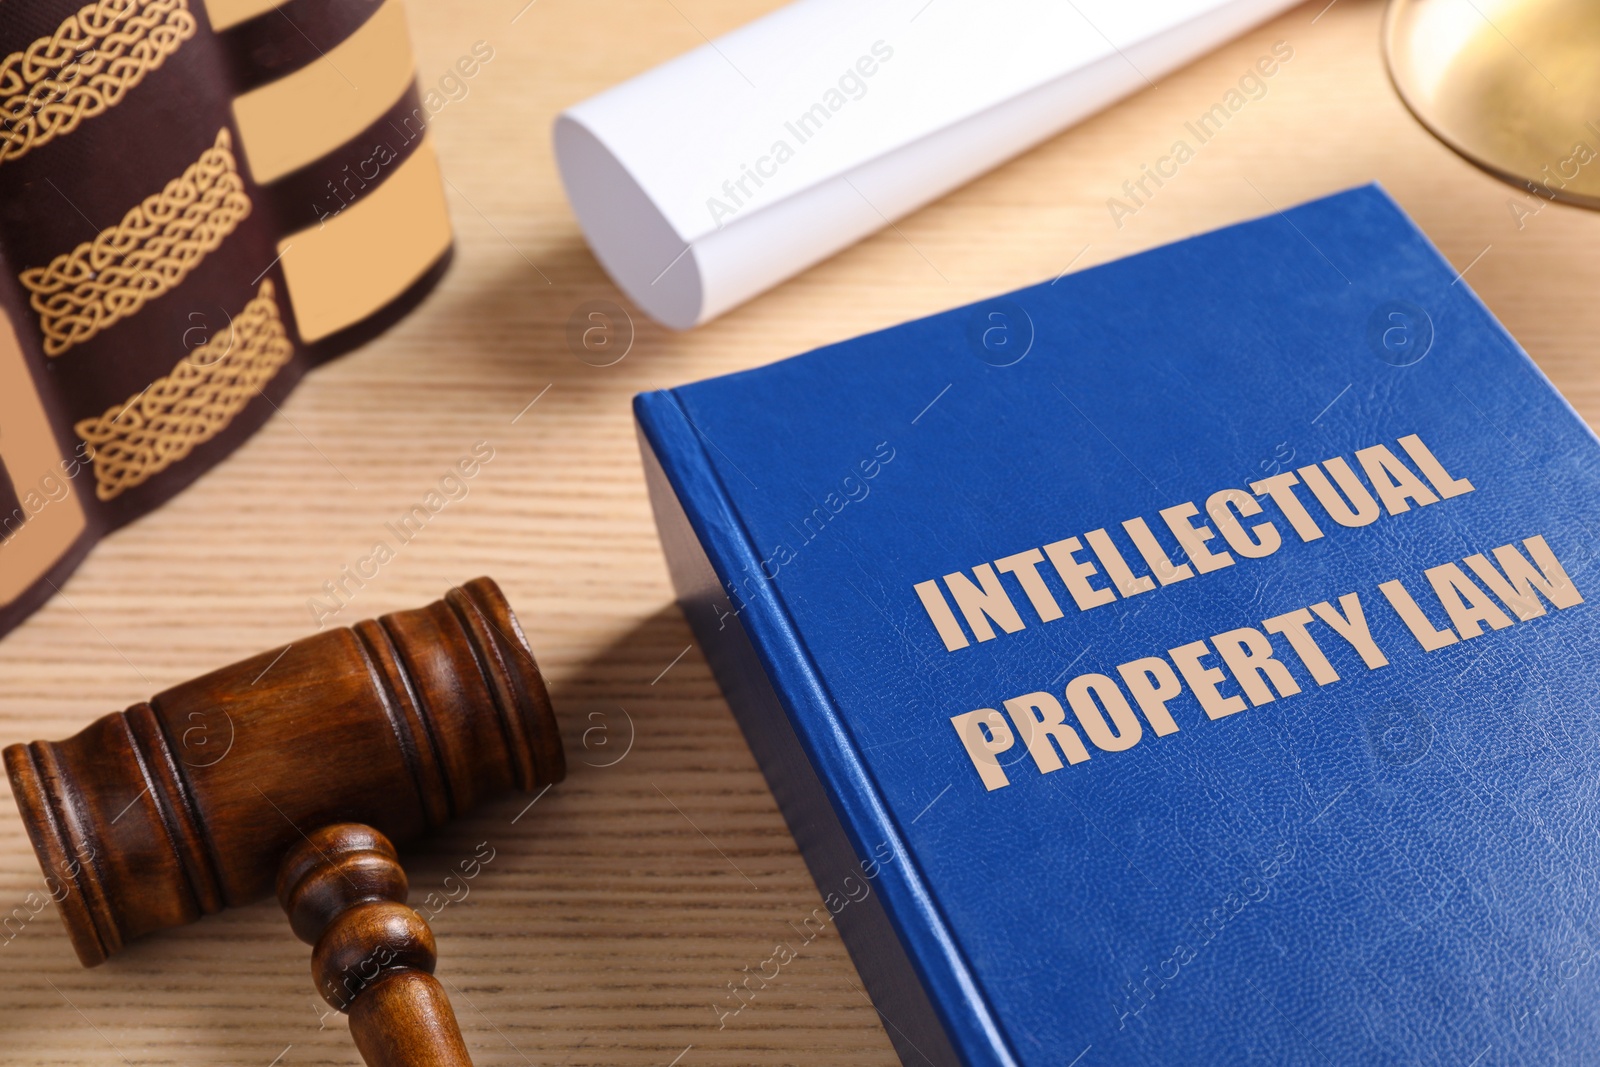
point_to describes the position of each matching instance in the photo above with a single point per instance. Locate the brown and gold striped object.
(199, 201)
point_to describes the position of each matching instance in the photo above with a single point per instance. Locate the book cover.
(199, 201)
(1188, 660)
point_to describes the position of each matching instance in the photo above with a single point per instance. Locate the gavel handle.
(373, 957)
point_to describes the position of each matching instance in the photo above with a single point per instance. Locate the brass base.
(1512, 85)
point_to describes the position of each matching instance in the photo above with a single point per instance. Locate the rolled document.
(717, 175)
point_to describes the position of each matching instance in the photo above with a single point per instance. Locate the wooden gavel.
(295, 770)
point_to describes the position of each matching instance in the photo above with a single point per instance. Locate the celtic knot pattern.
(156, 428)
(155, 246)
(85, 68)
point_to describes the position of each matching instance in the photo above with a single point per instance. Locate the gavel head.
(186, 804)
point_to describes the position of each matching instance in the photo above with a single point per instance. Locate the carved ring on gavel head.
(295, 769)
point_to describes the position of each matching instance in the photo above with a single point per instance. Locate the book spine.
(335, 134)
(921, 983)
(47, 522)
(167, 262)
(135, 251)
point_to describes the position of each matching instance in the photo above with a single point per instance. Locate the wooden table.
(619, 908)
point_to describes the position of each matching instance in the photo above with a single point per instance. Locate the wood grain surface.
(619, 907)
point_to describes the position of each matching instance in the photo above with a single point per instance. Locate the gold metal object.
(1512, 85)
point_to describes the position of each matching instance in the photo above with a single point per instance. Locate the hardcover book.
(199, 201)
(1189, 660)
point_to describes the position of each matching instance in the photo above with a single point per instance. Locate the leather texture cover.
(200, 200)
(1182, 661)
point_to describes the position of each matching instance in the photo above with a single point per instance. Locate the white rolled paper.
(721, 173)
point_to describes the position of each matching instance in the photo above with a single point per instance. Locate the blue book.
(1186, 661)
